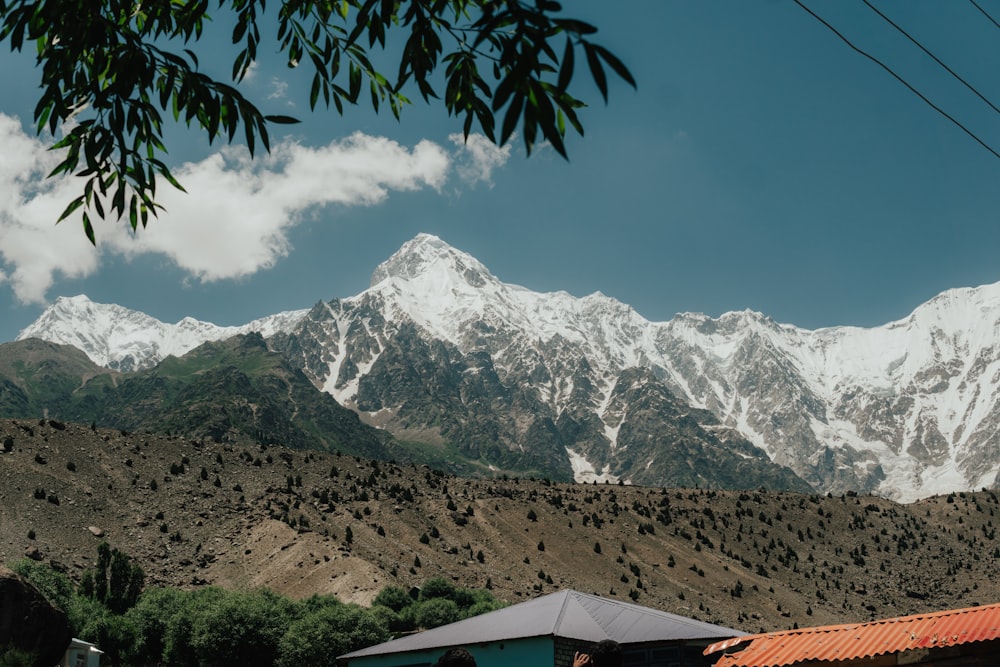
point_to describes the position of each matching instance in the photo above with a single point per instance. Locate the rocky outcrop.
(29, 622)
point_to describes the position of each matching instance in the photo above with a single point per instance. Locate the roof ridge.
(647, 611)
(567, 593)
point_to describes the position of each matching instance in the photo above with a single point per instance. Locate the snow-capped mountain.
(438, 348)
(127, 340)
(908, 409)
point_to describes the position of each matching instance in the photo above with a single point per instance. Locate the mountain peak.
(78, 300)
(427, 254)
(80, 303)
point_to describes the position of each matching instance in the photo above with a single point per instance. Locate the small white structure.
(81, 654)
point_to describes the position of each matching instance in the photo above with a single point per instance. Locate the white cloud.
(234, 219)
(478, 157)
(32, 247)
(279, 89)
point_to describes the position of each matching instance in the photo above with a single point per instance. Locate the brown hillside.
(194, 514)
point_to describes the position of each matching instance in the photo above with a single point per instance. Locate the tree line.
(215, 627)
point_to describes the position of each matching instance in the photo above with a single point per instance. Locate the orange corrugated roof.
(862, 640)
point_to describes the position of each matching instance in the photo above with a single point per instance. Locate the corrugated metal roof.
(566, 614)
(862, 640)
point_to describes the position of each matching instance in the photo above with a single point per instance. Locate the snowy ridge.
(124, 339)
(860, 408)
(443, 290)
(907, 409)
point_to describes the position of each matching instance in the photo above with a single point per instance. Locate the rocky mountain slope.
(238, 515)
(238, 389)
(440, 351)
(221, 391)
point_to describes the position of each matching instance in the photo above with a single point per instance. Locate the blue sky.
(761, 164)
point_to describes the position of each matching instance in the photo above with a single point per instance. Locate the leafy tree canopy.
(116, 581)
(214, 626)
(318, 637)
(393, 597)
(437, 587)
(112, 69)
(54, 585)
(437, 612)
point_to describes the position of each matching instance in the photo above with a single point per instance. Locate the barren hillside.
(302, 522)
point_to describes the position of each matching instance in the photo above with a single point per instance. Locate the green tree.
(115, 69)
(407, 618)
(393, 597)
(436, 612)
(178, 644)
(54, 585)
(240, 628)
(481, 601)
(12, 657)
(89, 618)
(92, 621)
(390, 619)
(318, 637)
(437, 587)
(116, 581)
(152, 616)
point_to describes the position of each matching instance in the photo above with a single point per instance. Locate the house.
(954, 638)
(81, 654)
(548, 630)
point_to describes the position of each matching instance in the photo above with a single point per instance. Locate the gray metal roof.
(567, 614)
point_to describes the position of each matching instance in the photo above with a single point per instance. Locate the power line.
(934, 57)
(992, 20)
(898, 78)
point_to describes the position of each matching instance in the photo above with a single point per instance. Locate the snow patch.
(584, 472)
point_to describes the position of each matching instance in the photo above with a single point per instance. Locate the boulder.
(29, 622)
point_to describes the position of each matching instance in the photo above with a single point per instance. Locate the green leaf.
(239, 31)
(617, 65)
(504, 90)
(248, 131)
(96, 202)
(510, 118)
(238, 69)
(63, 167)
(71, 208)
(265, 139)
(133, 217)
(596, 69)
(43, 117)
(575, 26)
(314, 92)
(88, 229)
(500, 57)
